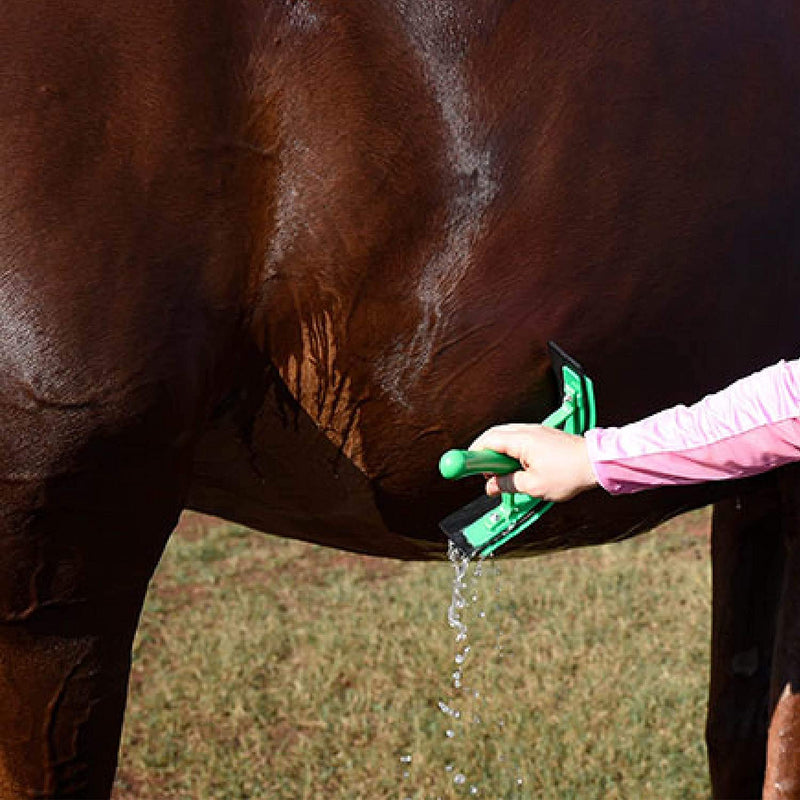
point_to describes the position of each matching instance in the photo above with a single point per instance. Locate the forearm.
(749, 427)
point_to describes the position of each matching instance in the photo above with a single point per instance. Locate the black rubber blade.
(454, 524)
(560, 359)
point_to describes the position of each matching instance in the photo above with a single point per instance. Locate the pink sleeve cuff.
(750, 427)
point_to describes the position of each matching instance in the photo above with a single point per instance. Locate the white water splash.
(435, 31)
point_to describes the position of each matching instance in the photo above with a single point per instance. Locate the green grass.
(267, 668)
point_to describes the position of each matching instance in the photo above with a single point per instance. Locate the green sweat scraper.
(489, 522)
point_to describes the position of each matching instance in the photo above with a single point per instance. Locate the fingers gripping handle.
(480, 528)
(575, 415)
(455, 464)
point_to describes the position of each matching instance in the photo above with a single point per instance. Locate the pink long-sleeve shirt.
(751, 426)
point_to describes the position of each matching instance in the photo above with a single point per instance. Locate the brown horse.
(268, 258)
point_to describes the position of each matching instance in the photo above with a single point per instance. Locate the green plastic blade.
(495, 528)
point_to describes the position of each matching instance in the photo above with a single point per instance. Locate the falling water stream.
(473, 732)
(464, 593)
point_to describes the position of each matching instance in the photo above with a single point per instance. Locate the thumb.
(503, 439)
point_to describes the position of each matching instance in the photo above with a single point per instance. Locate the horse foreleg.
(63, 685)
(76, 554)
(747, 564)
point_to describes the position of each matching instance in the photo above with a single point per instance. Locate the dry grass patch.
(266, 668)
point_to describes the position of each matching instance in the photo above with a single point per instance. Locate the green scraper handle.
(455, 464)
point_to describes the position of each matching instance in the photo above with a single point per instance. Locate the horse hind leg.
(782, 779)
(747, 555)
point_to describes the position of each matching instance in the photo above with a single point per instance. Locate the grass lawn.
(266, 668)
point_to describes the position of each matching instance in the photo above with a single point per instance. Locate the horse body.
(526, 181)
(269, 259)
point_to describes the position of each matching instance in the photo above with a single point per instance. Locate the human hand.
(555, 464)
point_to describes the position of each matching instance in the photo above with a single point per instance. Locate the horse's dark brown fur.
(269, 258)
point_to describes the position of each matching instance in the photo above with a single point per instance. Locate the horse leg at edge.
(782, 780)
(747, 555)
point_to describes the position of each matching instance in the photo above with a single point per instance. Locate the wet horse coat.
(269, 259)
